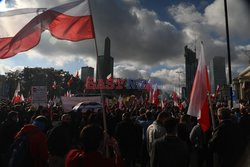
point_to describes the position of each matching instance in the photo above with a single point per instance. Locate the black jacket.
(129, 136)
(227, 143)
(60, 139)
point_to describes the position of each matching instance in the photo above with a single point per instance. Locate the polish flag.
(120, 103)
(54, 85)
(76, 74)
(217, 91)
(175, 99)
(70, 81)
(109, 76)
(156, 96)
(21, 29)
(198, 106)
(17, 97)
(150, 90)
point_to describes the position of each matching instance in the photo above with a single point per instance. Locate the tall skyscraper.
(191, 63)
(217, 72)
(86, 72)
(105, 63)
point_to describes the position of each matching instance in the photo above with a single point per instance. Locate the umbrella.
(84, 106)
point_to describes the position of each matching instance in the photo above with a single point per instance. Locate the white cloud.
(172, 79)
(128, 71)
(238, 15)
(210, 28)
(4, 67)
(186, 14)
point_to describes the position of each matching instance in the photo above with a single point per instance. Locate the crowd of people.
(137, 135)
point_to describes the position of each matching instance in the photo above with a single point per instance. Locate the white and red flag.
(199, 106)
(17, 98)
(21, 29)
(217, 91)
(175, 99)
(54, 85)
(120, 103)
(156, 94)
(70, 82)
(76, 74)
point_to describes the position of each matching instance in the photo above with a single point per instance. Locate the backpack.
(20, 155)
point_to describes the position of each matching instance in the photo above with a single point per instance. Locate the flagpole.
(211, 110)
(101, 91)
(229, 56)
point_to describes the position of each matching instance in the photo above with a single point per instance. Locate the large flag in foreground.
(21, 29)
(198, 106)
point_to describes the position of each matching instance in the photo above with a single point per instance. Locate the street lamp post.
(179, 72)
(228, 54)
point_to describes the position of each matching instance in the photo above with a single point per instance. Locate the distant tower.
(191, 63)
(105, 63)
(217, 72)
(86, 72)
(107, 47)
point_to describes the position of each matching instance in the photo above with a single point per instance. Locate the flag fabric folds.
(71, 21)
(199, 106)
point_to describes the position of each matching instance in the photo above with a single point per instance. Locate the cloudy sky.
(147, 37)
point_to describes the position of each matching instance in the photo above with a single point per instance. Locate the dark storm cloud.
(136, 34)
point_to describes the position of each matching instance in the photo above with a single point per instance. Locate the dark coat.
(8, 131)
(129, 137)
(227, 143)
(60, 139)
(169, 151)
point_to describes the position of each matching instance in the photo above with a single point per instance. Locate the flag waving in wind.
(71, 21)
(198, 106)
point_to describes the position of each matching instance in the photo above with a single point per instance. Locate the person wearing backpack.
(89, 155)
(30, 148)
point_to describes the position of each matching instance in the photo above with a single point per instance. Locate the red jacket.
(37, 143)
(77, 158)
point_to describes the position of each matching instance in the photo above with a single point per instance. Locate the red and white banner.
(199, 106)
(21, 29)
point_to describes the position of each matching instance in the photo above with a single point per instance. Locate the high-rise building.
(191, 63)
(105, 63)
(217, 72)
(86, 72)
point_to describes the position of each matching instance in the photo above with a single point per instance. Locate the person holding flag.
(199, 106)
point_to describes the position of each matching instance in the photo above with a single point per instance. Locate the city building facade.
(86, 72)
(217, 73)
(191, 63)
(105, 63)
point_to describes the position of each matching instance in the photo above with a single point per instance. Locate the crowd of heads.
(87, 128)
